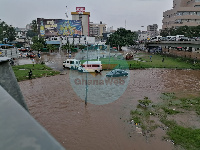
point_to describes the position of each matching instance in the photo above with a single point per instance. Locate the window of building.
(193, 13)
(179, 13)
(198, 13)
(186, 13)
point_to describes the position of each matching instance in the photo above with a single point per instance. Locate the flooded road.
(55, 105)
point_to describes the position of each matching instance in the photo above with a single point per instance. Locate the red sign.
(80, 9)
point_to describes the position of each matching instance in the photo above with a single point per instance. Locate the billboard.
(55, 27)
(69, 27)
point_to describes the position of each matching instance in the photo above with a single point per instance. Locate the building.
(152, 30)
(59, 41)
(142, 35)
(97, 30)
(21, 33)
(80, 14)
(183, 13)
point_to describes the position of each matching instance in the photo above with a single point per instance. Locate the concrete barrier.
(9, 82)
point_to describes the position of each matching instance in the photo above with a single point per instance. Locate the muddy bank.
(54, 104)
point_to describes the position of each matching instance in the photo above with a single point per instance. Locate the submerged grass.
(188, 138)
(185, 136)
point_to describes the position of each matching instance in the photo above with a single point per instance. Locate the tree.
(37, 46)
(38, 43)
(7, 32)
(68, 47)
(34, 26)
(188, 31)
(36, 39)
(51, 47)
(31, 33)
(122, 37)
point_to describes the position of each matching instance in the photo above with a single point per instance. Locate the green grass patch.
(188, 138)
(169, 62)
(38, 70)
(167, 96)
(155, 62)
(184, 136)
(170, 111)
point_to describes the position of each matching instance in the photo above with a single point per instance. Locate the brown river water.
(55, 105)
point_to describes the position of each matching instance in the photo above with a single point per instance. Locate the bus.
(91, 66)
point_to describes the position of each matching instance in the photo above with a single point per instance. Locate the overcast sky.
(135, 13)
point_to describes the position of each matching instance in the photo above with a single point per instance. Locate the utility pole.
(86, 79)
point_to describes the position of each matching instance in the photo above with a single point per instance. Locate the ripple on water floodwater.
(54, 103)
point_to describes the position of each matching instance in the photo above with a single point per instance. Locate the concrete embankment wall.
(186, 54)
(9, 82)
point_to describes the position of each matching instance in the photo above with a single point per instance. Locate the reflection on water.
(55, 104)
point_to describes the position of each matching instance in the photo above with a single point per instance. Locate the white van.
(178, 37)
(171, 38)
(91, 66)
(156, 39)
(71, 63)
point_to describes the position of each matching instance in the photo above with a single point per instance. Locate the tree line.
(187, 31)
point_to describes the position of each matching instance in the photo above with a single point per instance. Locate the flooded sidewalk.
(55, 105)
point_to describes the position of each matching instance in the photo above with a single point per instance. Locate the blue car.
(117, 73)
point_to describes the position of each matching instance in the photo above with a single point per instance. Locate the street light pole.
(86, 79)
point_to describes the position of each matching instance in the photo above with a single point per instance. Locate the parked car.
(117, 73)
(184, 39)
(172, 39)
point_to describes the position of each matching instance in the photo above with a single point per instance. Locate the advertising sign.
(69, 27)
(80, 9)
(55, 27)
(47, 27)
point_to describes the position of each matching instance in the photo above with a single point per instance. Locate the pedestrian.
(30, 74)
(39, 55)
(163, 59)
(33, 61)
(151, 58)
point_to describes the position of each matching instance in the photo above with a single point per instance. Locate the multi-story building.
(97, 30)
(152, 30)
(80, 14)
(184, 12)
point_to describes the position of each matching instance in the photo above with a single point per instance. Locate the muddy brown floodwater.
(54, 104)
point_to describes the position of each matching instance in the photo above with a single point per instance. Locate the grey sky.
(137, 13)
